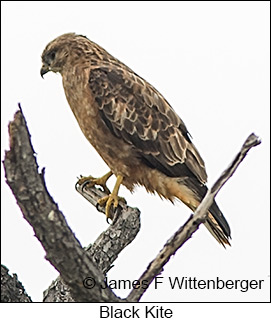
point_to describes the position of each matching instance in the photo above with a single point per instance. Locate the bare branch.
(62, 248)
(185, 232)
(119, 234)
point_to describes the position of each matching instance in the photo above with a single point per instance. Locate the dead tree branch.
(62, 248)
(185, 232)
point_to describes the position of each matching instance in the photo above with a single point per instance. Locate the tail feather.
(216, 231)
(218, 225)
(215, 221)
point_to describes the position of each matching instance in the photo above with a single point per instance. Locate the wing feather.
(136, 112)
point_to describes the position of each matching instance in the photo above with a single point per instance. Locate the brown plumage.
(131, 125)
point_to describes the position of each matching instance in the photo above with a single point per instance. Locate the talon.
(112, 198)
(92, 181)
(108, 201)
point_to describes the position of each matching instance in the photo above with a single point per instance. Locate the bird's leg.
(92, 181)
(112, 198)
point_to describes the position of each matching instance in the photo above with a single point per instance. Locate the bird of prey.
(132, 126)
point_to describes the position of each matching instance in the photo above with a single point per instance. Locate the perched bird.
(132, 126)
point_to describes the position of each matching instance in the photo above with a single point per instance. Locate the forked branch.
(63, 250)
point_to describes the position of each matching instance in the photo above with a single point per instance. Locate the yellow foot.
(112, 198)
(90, 181)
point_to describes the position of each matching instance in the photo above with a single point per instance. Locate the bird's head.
(56, 54)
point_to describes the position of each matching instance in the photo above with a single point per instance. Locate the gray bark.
(78, 265)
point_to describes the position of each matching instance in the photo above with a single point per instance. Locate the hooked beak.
(44, 69)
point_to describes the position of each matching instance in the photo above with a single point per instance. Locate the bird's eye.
(52, 56)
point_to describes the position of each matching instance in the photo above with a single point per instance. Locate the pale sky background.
(210, 60)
